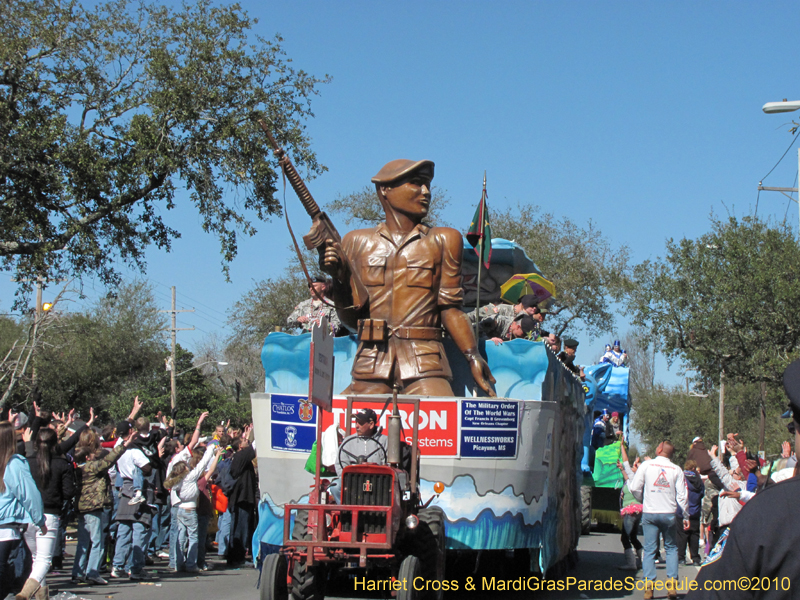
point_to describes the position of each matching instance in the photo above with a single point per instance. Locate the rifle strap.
(297, 249)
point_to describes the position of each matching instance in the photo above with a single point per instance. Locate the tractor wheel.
(431, 547)
(586, 509)
(307, 582)
(409, 570)
(273, 578)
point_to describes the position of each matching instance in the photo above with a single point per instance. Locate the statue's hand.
(481, 373)
(332, 261)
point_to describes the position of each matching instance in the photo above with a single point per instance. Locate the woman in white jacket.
(183, 481)
(734, 492)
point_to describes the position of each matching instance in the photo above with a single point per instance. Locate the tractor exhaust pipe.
(393, 450)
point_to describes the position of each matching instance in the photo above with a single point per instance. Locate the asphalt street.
(599, 556)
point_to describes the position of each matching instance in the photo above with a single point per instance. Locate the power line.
(199, 314)
(794, 139)
(194, 300)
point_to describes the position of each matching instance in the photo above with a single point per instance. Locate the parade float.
(606, 388)
(510, 466)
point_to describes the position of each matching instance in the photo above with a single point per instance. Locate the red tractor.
(381, 529)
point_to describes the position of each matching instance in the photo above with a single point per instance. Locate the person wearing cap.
(761, 542)
(618, 356)
(567, 356)
(364, 442)
(310, 312)
(599, 429)
(608, 429)
(616, 425)
(367, 444)
(538, 314)
(525, 304)
(500, 328)
(412, 273)
(615, 422)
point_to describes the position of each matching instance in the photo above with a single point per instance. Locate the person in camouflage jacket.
(93, 497)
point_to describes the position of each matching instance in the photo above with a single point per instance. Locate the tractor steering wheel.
(361, 458)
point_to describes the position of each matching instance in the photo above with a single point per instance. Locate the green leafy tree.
(728, 300)
(664, 412)
(261, 310)
(244, 373)
(266, 306)
(14, 335)
(589, 272)
(195, 394)
(91, 355)
(107, 110)
(641, 361)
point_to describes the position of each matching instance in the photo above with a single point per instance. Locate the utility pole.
(38, 298)
(786, 191)
(174, 329)
(38, 312)
(38, 320)
(761, 433)
(722, 406)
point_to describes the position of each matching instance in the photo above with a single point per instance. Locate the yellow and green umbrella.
(522, 285)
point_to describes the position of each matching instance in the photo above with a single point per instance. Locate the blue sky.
(641, 116)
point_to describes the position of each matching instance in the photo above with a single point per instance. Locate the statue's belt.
(378, 330)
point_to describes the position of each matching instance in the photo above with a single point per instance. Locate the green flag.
(480, 230)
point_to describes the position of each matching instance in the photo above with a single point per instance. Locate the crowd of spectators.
(138, 491)
(700, 502)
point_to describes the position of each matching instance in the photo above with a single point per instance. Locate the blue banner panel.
(488, 443)
(290, 408)
(294, 421)
(487, 414)
(293, 438)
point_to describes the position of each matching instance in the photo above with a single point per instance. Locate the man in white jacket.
(660, 485)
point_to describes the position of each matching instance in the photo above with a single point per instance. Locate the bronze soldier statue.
(412, 274)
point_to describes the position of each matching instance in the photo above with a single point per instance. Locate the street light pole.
(174, 329)
(208, 362)
(781, 107)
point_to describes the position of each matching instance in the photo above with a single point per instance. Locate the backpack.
(224, 479)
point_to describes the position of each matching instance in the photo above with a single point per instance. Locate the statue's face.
(410, 196)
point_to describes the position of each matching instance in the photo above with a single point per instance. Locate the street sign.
(320, 383)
